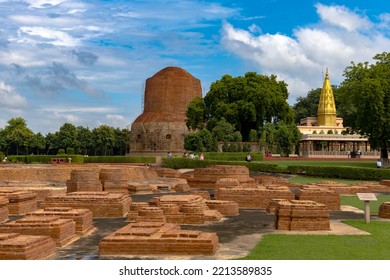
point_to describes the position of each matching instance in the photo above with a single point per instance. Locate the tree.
(200, 141)
(223, 131)
(286, 136)
(246, 102)
(84, 139)
(366, 94)
(38, 143)
(66, 137)
(196, 114)
(17, 135)
(104, 139)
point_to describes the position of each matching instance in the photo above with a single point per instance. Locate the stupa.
(161, 127)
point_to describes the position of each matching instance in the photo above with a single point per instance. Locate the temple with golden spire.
(323, 136)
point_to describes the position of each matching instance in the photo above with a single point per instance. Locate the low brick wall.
(158, 238)
(82, 217)
(340, 188)
(385, 183)
(20, 202)
(256, 197)
(271, 207)
(14, 246)
(328, 197)
(384, 210)
(114, 180)
(3, 209)
(226, 208)
(61, 230)
(84, 180)
(301, 215)
(102, 204)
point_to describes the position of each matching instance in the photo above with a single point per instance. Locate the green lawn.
(327, 247)
(354, 201)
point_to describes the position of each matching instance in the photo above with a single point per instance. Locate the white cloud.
(341, 36)
(43, 3)
(10, 98)
(46, 35)
(343, 17)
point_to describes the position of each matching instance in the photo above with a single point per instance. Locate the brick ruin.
(271, 207)
(84, 180)
(384, 210)
(20, 202)
(207, 177)
(83, 218)
(15, 246)
(328, 197)
(254, 197)
(114, 180)
(339, 188)
(102, 204)
(301, 215)
(62, 231)
(149, 238)
(4, 212)
(179, 209)
(162, 125)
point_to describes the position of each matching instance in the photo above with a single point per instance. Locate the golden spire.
(326, 113)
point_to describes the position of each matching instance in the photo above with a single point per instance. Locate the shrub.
(119, 159)
(61, 151)
(247, 147)
(70, 151)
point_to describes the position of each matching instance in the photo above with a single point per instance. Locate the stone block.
(15, 246)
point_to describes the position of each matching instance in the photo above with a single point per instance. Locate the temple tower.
(326, 114)
(161, 127)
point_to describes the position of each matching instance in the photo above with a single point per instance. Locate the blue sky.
(86, 62)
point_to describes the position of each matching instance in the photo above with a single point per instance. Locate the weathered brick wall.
(384, 210)
(339, 187)
(271, 207)
(84, 180)
(102, 204)
(14, 246)
(61, 230)
(256, 197)
(321, 195)
(385, 182)
(301, 215)
(158, 238)
(226, 208)
(20, 202)
(207, 177)
(82, 217)
(3, 209)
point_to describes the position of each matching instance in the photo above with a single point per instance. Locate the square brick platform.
(158, 238)
(20, 202)
(82, 217)
(14, 246)
(61, 230)
(325, 196)
(102, 204)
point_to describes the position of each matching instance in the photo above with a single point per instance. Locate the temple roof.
(326, 113)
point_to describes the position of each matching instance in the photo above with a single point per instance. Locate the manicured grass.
(354, 201)
(327, 247)
(306, 179)
(341, 163)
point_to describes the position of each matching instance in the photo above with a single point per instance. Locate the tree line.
(17, 139)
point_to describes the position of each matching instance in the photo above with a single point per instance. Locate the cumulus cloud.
(10, 98)
(85, 58)
(341, 36)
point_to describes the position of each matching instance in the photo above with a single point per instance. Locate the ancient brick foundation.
(82, 217)
(102, 204)
(84, 180)
(14, 246)
(321, 195)
(384, 210)
(20, 202)
(301, 215)
(179, 209)
(3, 209)
(158, 238)
(271, 207)
(385, 182)
(255, 197)
(114, 180)
(61, 230)
(226, 208)
(207, 177)
(340, 188)
(202, 193)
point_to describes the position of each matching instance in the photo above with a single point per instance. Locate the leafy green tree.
(122, 141)
(37, 143)
(17, 135)
(84, 139)
(247, 102)
(196, 114)
(253, 136)
(366, 94)
(286, 137)
(199, 141)
(51, 145)
(66, 137)
(223, 131)
(104, 139)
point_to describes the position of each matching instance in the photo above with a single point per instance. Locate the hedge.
(44, 158)
(119, 159)
(233, 156)
(356, 173)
